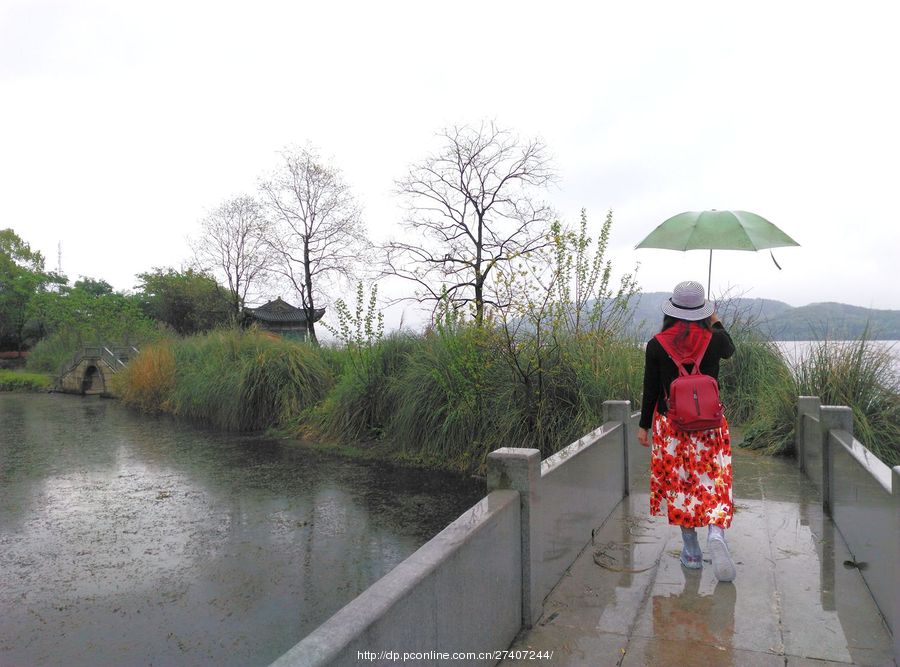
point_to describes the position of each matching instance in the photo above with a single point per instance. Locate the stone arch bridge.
(90, 371)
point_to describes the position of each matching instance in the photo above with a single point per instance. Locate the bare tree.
(319, 236)
(233, 245)
(470, 208)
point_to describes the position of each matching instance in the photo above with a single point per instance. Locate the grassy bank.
(22, 381)
(448, 397)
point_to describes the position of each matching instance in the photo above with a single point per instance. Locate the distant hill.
(836, 321)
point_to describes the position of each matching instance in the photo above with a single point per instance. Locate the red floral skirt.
(691, 471)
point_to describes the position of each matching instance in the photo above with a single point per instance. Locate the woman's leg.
(691, 553)
(723, 566)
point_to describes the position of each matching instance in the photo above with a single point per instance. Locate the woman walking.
(690, 469)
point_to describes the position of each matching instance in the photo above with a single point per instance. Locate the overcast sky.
(122, 122)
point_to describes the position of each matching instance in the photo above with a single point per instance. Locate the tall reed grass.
(859, 374)
(147, 382)
(232, 380)
(453, 394)
(452, 399)
(364, 398)
(756, 366)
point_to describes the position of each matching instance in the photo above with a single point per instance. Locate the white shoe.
(723, 566)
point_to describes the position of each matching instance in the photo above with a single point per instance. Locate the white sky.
(122, 122)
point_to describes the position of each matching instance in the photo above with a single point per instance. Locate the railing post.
(806, 405)
(620, 411)
(520, 470)
(895, 492)
(838, 418)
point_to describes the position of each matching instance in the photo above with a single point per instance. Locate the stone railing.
(861, 495)
(476, 584)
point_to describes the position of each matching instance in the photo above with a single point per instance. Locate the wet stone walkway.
(797, 600)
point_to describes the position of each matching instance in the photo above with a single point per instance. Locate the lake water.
(133, 540)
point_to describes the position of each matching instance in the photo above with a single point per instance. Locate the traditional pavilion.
(282, 318)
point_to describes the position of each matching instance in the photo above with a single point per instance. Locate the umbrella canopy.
(717, 230)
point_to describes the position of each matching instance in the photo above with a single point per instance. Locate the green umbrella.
(717, 230)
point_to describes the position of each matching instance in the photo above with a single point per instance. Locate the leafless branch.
(318, 234)
(233, 246)
(472, 208)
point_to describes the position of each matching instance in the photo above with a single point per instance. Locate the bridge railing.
(475, 585)
(112, 360)
(861, 494)
(116, 356)
(86, 351)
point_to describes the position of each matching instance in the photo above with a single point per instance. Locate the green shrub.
(50, 353)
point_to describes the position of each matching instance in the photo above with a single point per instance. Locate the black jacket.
(660, 370)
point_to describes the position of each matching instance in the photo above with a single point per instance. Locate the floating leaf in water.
(550, 618)
(859, 565)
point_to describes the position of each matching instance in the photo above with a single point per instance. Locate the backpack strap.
(679, 362)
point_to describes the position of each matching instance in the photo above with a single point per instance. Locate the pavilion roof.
(279, 310)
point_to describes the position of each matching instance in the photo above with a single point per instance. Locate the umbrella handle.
(709, 277)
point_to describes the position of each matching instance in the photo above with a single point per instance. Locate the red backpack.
(693, 400)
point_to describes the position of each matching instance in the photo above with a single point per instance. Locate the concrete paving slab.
(827, 611)
(642, 652)
(793, 601)
(579, 651)
(685, 603)
(604, 589)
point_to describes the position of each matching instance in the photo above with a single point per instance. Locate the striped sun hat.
(688, 302)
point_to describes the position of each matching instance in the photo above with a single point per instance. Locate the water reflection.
(701, 619)
(130, 539)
